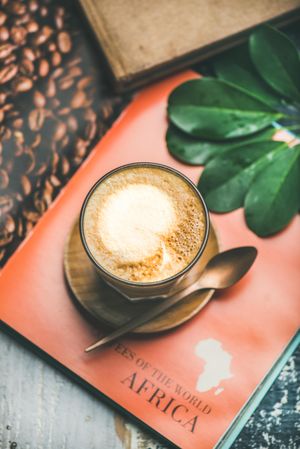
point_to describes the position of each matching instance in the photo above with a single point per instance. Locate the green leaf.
(277, 60)
(235, 66)
(193, 151)
(216, 110)
(273, 198)
(227, 178)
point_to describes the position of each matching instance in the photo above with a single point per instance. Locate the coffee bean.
(57, 73)
(54, 160)
(43, 35)
(55, 58)
(55, 181)
(8, 73)
(3, 97)
(5, 239)
(18, 34)
(33, 5)
(60, 11)
(43, 11)
(26, 66)
(28, 53)
(90, 130)
(78, 99)
(3, 18)
(26, 185)
(10, 59)
(65, 141)
(72, 124)
(80, 148)
(74, 61)
(22, 84)
(64, 111)
(41, 169)
(36, 119)
(4, 34)
(84, 82)
(18, 123)
(59, 22)
(64, 42)
(4, 179)
(64, 166)
(65, 82)
(106, 110)
(9, 224)
(5, 50)
(22, 20)
(6, 204)
(39, 203)
(50, 88)
(19, 136)
(43, 67)
(20, 227)
(2, 254)
(39, 99)
(51, 46)
(31, 215)
(60, 131)
(37, 141)
(32, 26)
(28, 161)
(29, 225)
(75, 71)
(17, 8)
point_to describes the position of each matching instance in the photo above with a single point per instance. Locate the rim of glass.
(146, 165)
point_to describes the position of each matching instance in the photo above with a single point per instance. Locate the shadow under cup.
(145, 290)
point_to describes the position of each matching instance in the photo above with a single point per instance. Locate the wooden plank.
(41, 409)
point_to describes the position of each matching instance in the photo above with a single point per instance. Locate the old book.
(143, 40)
(197, 384)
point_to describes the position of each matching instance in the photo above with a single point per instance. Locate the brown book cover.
(143, 39)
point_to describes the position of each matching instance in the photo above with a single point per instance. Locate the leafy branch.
(228, 123)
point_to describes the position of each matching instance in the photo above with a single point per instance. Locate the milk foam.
(133, 220)
(144, 224)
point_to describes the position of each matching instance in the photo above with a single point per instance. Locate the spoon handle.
(153, 312)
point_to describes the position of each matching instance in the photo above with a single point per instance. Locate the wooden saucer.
(107, 306)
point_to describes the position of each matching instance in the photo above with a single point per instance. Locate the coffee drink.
(144, 223)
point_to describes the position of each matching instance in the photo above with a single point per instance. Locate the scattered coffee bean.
(4, 179)
(39, 99)
(26, 185)
(18, 34)
(22, 84)
(43, 67)
(48, 105)
(4, 34)
(55, 58)
(32, 26)
(36, 119)
(64, 42)
(8, 73)
(3, 18)
(78, 99)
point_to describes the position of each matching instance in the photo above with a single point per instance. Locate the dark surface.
(27, 190)
(276, 422)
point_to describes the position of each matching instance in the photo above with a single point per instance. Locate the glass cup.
(132, 290)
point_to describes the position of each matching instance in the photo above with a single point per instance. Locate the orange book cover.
(189, 384)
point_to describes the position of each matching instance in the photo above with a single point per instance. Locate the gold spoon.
(222, 271)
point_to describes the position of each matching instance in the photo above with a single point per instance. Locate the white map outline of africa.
(216, 365)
